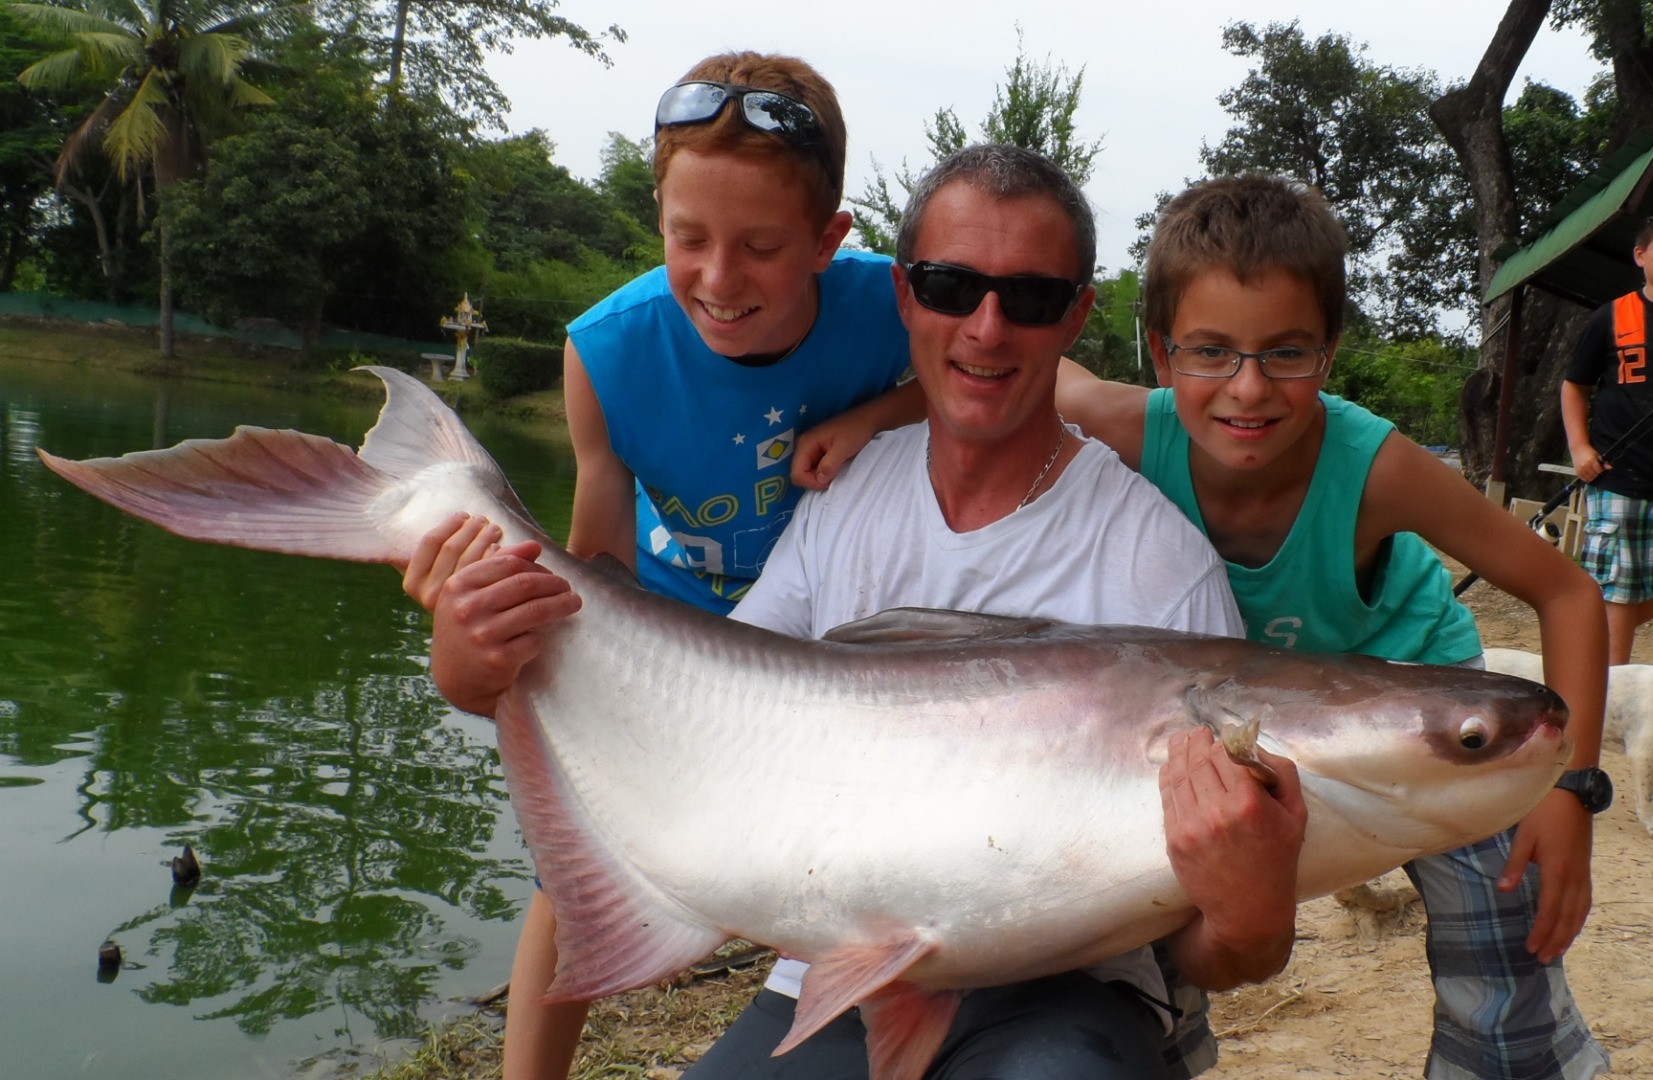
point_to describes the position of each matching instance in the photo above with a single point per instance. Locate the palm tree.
(173, 70)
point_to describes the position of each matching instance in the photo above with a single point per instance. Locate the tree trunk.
(17, 238)
(397, 43)
(1621, 33)
(310, 332)
(166, 287)
(1471, 118)
(1549, 328)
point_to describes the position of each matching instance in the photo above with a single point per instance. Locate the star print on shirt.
(773, 416)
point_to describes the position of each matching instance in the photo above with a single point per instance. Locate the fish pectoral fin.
(931, 626)
(852, 974)
(905, 1028)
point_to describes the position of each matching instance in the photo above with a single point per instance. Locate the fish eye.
(1473, 734)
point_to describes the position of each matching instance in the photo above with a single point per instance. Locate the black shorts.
(1066, 1027)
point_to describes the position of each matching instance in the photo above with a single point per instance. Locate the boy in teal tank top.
(1321, 511)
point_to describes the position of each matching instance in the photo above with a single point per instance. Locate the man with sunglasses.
(994, 505)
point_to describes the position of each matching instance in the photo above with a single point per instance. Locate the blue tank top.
(1307, 597)
(710, 440)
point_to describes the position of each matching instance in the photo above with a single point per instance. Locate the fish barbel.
(964, 800)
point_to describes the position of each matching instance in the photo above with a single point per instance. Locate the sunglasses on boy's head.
(766, 110)
(1026, 299)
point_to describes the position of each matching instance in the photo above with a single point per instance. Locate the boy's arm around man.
(1408, 490)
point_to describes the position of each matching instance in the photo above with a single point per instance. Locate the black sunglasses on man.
(1025, 299)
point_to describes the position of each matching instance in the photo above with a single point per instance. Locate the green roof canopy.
(1582, 252)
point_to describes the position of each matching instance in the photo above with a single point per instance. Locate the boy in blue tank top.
(688, 388)
(1321, 511)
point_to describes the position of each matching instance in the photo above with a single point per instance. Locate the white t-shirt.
(1101, 546)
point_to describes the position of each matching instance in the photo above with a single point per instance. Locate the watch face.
(1593, 787)
(1598, 787)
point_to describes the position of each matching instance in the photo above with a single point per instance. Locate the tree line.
(344, 163)
(320, 164)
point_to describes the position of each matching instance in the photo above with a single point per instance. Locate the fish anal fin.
(931, 626)
(905, 1028)
(613, 932)
(849, 975)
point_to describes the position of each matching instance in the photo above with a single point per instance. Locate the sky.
(1152, 72)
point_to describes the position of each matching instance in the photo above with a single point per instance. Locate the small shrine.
(467, 325)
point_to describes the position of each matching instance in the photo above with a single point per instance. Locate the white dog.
(1628, 721)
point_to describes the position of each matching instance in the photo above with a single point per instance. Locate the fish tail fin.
(270, 490)
(284, 490)
(612, 933)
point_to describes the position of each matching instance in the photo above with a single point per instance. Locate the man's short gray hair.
(1003, 171)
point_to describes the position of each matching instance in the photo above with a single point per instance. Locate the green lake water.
(362, 868)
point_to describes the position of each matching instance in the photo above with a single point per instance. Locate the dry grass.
(653, 1034)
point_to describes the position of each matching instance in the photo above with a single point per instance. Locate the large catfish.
(937, 802)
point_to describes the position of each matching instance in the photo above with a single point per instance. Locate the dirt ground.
(1353, 1002)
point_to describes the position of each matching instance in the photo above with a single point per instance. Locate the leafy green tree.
(627, 179)
(1111, 345)
(333, 211)
(28, 140)
(1414, 383)
(1033, 108)
(533, 208)
(172, 71)
(1486, 144)
(557, 245)
(1319, 111)
(1372, 138)
(440, 47)
(268, 229)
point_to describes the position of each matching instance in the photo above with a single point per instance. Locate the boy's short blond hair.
(1246, 225)
(819, 166)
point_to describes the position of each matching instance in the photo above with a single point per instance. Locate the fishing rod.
(1536, 522)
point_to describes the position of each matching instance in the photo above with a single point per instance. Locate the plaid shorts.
(1499, 1013)
(1618, 545)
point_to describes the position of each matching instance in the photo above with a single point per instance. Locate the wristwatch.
(1593, 787)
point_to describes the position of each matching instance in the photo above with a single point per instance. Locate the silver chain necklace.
(1061, 437)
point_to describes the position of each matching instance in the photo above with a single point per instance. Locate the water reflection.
(357, 849)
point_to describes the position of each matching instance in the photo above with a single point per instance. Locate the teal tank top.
(1307, 597)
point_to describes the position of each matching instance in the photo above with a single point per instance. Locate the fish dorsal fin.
(416, 428)
(932, 626)
(851, 974)
(905, 1028)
